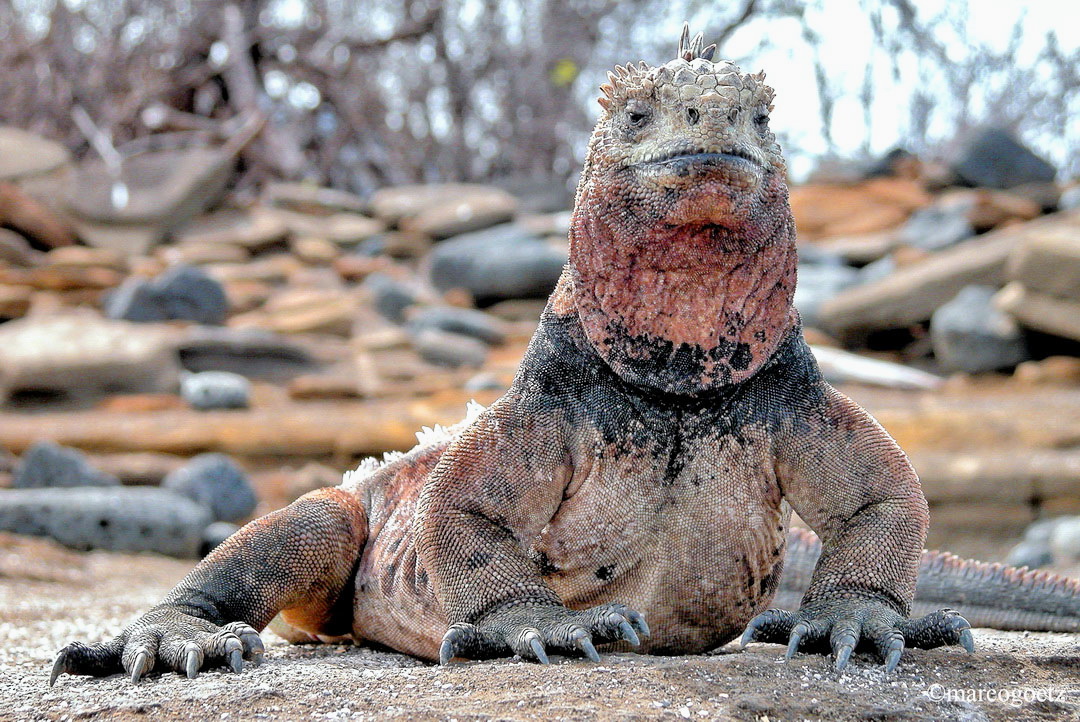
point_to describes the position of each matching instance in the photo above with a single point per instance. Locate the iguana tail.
(988, 595)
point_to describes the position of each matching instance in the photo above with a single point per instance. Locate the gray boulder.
(454, 350)
(936, 227)
(496, 264)
(969, 334)
(819, 282)
(127, 519)
(183, 293)
(994, 158)
(216, 482)
(46, 463)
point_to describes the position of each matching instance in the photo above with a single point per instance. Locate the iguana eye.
(637, 117)
(762, 121)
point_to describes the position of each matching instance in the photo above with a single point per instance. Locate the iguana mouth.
(684, 156)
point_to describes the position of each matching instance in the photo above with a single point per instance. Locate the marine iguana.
(666, 419)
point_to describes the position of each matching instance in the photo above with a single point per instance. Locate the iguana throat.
(689, 308)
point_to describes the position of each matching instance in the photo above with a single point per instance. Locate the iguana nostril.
(692, 115)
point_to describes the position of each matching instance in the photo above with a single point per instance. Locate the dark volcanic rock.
(49, 464)
(182, 293)
(131, 519)
(496, 264)
(969, 334)
(443, 348)
(390, 296)
(216, 482)
(464, 321)
(994, 158)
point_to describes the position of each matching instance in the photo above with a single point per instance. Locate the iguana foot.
(843, 625)
(531, 631)
(167, 638)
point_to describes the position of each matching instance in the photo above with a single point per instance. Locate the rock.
(1070, 199)
(818, 282)
(315, 250)
(80, 353)
(32, 218)
(496, 264)
(464, 321)
(828, 210)
(181, 293)
(969, 334)
(840, 367)
(254, 353)
(1039, 311)
(340, 228)
(163, 190)
(304, 310)
(138, 468)
(128, 403)
(247, 296)
(484, 381)
(128, 519)
(994, 158)
(1049, 262)
(216, 390)
(912, 293)
(935, 227)
(1065, 540)
(518, 310)
(988, 209)
(216, 482)
(312, 199)
(84, 257)
(253, 230)
(215, 534)
(17, 251)
(24, 154)
(273, 269)
(399, 203)
(14, 301)
(198, 253)
(1055, 370)
(356, 268)
(323, 386)
(1032, 555)
(391, 296)
(1039, 532)
(472, 211)
(49, 464)
(310, 477)
(454, 350)
(61, 278)
(859, 249)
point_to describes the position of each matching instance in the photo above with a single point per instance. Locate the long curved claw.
(59, 666)
(797, 633)
(628, 633)
(582, 642)
(235, 655)
(896, 648)
(537, 647)
(639, 623)
(140, 666)
(845, 646)
(967, 641)
(193, 659)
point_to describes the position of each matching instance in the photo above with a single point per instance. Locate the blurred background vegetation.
(365, 94)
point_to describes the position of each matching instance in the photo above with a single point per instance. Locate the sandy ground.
(50, 596)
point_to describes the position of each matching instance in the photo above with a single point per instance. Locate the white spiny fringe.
(426, 436)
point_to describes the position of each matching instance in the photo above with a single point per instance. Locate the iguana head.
(689, 139)
(682, 245)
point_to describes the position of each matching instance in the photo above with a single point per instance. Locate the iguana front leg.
(492, 493)
(852, 484)
(298, 560)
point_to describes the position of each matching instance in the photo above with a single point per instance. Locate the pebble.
(216, 390)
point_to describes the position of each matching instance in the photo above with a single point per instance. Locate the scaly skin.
(666, 418)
